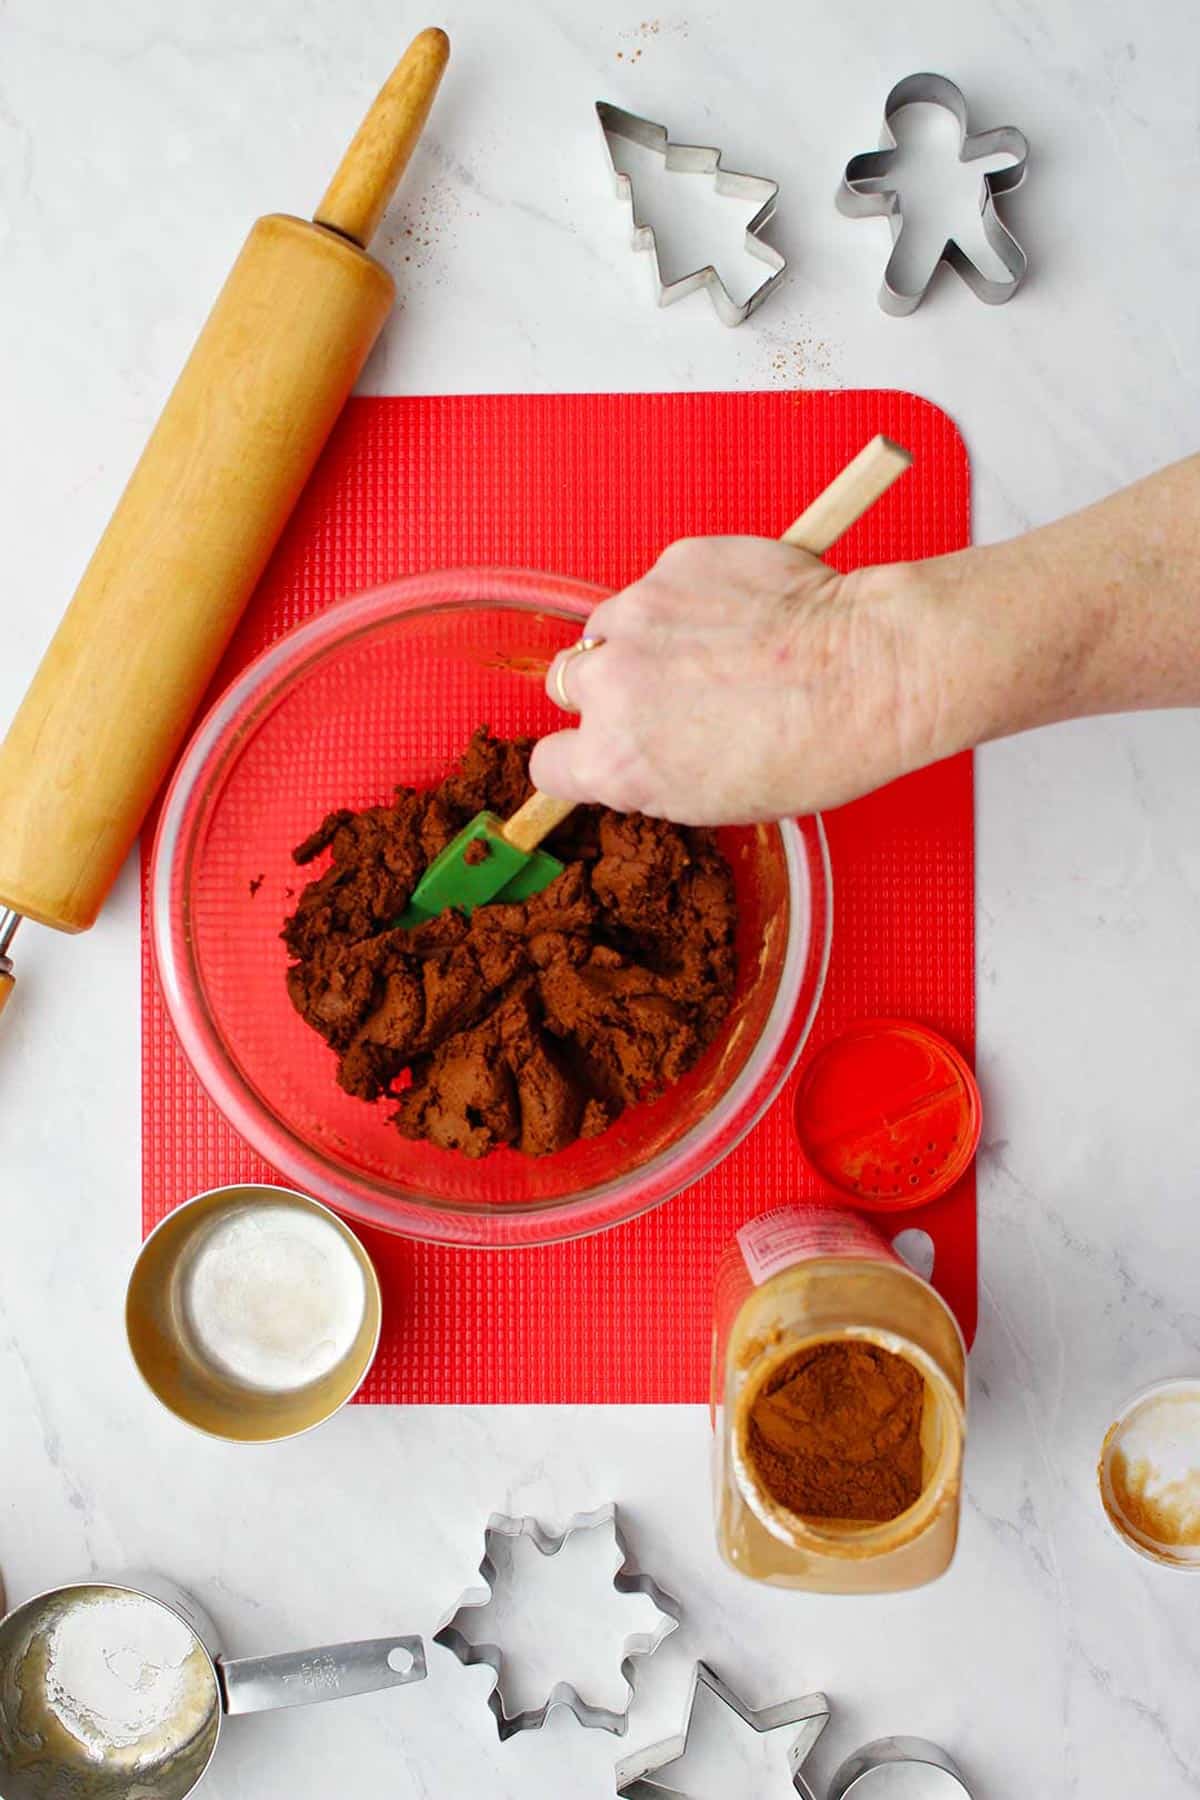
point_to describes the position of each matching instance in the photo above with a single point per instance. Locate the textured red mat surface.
(593, 486)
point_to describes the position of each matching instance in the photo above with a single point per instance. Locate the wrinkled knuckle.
(628, 781)
(632, 609)
(589, 764)
(599, 622)
(626, 705)
(681, 556)
(608, 769)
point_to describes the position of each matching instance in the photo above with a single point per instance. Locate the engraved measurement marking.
(320, 1672)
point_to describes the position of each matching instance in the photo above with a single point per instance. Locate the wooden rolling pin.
(235, 444)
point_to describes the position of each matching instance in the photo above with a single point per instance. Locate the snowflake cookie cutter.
(694, 159)
(864, 193)
(811, 1713)
(626, 1580)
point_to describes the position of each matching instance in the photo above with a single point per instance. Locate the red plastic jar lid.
(890, 1114)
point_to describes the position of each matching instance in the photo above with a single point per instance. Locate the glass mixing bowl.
(382, 689)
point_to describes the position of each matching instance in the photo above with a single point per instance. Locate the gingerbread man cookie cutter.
(866, 191)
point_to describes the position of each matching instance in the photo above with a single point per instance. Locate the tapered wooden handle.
(7, 984)
(167, 583)
(357, 197)
(848, 496)
(535, 820)
(237, 439)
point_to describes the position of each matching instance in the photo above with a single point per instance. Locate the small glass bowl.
(385, 689)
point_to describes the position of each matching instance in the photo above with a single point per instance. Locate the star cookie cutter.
(626, 1580)
(810, 1713)
(694, 159)
(855, 1777)
(865, 193)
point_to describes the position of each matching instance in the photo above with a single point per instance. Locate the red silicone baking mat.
(593, 486)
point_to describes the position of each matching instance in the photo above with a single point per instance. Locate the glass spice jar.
(839, 1408)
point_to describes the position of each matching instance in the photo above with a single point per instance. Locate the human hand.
(739, 679)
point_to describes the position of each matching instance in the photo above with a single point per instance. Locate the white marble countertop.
(137, 142)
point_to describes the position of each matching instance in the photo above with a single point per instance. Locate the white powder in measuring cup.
(120, 1672)
(273, 1295)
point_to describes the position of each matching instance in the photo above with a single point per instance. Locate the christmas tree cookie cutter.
(626, 1580)
(635, 1774)
(694, 159)
(865, 193)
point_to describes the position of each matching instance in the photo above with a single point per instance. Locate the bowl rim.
(237, 713)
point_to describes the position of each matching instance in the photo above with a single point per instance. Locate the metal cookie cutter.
(855, 1775)
(694, 159)
(865, 193)
(626, 1580)
(811, 1713)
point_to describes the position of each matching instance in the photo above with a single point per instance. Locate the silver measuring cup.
(117, 1690)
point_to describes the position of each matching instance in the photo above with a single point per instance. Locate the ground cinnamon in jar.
(835, 1433)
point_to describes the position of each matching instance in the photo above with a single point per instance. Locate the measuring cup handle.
(329, 1672)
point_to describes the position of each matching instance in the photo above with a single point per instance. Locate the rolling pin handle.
(357, 197)
(201, 513)
(9, 921)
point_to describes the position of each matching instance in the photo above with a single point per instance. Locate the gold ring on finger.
(563, 664)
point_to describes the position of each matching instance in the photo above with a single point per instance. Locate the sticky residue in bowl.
(384, 689)
(1150, 1473)
(112, 1676)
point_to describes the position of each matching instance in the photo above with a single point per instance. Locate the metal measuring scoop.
(110, 1691)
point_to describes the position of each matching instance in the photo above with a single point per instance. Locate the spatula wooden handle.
(535, 820)
(357, 197)
(849, 495)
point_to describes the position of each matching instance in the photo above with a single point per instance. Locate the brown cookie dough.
(532, 1024)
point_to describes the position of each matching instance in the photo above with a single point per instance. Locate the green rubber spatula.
(508, 865)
